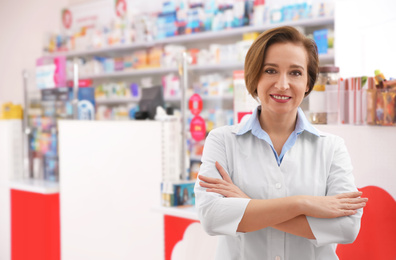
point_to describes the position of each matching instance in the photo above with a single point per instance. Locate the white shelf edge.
(208, 67)
(194, 37)
(116, 100)
(204, 98)
(166, 99)
(218, 97)
(220, 66)
(33, 185)
(127, 73)
(195, 158)
(184, 212)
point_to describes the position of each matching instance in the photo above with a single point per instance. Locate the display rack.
(324, 58)
(201, 36)
(225, 97)
(130, 73)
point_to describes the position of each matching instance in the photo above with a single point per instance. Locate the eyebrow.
(275, 65)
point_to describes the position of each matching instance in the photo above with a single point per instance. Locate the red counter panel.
(35, 226)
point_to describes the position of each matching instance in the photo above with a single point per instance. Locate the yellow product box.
(250, 36)
(11, 111)
(154, 57)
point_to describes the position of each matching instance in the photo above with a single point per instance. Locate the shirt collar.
(252, 124)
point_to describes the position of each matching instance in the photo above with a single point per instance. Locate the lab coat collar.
(251, 123)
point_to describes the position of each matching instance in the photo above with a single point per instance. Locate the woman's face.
(284, 79)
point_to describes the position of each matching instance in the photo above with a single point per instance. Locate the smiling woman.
(274, 186)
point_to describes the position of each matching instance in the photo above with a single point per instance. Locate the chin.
(283, 110)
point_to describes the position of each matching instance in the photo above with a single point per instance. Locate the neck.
(275, 124)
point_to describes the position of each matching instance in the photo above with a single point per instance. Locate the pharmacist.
(274, 187)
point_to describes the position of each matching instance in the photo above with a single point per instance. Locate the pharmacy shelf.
(195, 158)
(128, 73)
(124, 100)
(327, 58)
(323, 58)
(214, 67)
(224, 97)
(120, 100)
(201, 36)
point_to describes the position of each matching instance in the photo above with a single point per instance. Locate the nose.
(282, 84)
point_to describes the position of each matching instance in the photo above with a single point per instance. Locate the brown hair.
(255, 56)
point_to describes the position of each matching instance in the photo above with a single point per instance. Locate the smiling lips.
(280, 98)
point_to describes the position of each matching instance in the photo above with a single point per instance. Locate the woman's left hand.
(223, 186)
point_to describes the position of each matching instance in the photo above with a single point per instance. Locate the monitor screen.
(151, 98)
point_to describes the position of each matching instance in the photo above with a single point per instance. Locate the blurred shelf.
(218, 97)
(323, 58)
(201, 36)
(327, 58)
(128, 73)
(117, 100)
(212, 67)
(123, 100)
(225, 97)
(195, 158)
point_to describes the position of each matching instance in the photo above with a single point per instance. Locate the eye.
(296, 73)
(270, 71)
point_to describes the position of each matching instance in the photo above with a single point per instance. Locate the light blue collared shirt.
(253, 125)
(315, 166)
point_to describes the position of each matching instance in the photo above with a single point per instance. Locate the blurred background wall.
(23, 25)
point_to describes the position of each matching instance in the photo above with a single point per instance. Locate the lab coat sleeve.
(342, 230)
(218, 215)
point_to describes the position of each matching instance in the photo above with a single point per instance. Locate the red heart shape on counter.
(377, 236)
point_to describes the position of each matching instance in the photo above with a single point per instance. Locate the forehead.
(286, 53)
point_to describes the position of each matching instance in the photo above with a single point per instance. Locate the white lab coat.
(315, 165)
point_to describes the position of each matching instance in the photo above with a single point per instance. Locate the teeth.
(280, 97)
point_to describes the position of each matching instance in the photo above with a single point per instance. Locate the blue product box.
(178, 193)
(51, 166)
(86, 103)
(109, 65)
(184, 194)
(320, 37)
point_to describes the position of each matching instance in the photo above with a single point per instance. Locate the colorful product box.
(178, 193)
(51, 72)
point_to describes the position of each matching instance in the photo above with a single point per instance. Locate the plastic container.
(323, 100)
(317, 105)
(329, 76)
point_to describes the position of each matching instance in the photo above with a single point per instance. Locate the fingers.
(210, 179)
(354, 206)
(354, 200)
(354, 194)
(210, 185)
(225, 193)
(349, 212)
(223, 173)
(350, 205)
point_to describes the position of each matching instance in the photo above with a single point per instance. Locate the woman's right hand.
(344, 204)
